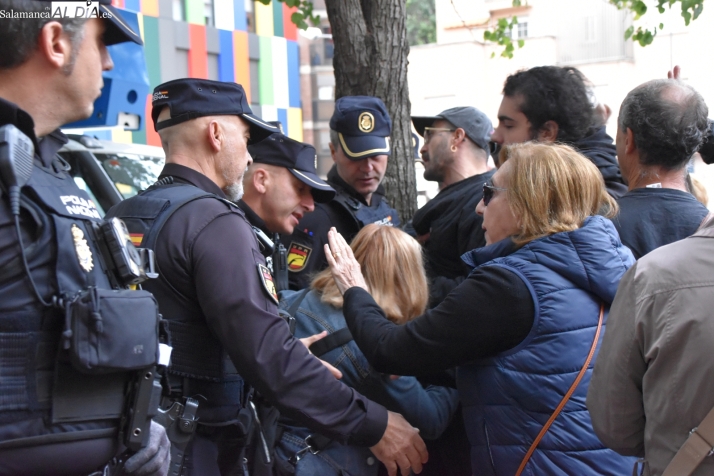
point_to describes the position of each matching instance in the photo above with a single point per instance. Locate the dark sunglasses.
(488, 189)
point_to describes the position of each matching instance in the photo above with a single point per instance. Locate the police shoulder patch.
(266, 277)
(297, 257)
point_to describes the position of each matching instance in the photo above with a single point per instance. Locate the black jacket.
(600, 149)
(454, 228)
(209, 261)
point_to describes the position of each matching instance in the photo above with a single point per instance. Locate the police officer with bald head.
(218, 295)
(360, 147)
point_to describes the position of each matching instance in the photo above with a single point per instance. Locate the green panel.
(139, 137)
(265, 71)
(278, 18)
(151, 50)
(194, 12)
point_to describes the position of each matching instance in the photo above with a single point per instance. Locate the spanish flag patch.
(297, 257)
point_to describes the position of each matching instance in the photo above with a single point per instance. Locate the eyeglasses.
(430, 131)
(488, 190)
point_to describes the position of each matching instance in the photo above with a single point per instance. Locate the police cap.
(363, 126)
(189, 98)
(475, 123)
(299, 158)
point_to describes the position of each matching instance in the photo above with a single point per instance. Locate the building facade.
(228, 40)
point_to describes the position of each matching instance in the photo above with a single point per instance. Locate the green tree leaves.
(689, 10)
(302, 15)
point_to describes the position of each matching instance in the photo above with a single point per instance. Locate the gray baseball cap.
(475, 123)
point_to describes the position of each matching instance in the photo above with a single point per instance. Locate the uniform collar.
(197, 179)
(253, 217)
(46, 147)
(334, 179)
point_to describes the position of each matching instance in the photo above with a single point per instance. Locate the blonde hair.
(393, 268)
(552, 188)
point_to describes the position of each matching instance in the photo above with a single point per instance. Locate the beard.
(234, 191)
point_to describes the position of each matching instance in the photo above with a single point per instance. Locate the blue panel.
(239, 15)
(225, 57)
(125, 87)
(133, 5)
(101, 134)
(283, 118)
(293, 73)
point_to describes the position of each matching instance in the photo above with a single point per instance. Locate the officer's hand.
(401, 446)
(345, 268)
(154, 460)
(308, 341)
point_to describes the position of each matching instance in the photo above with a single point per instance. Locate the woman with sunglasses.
(524, 327)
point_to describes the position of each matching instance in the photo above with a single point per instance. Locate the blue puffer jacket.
(508, 398)
(430, 409)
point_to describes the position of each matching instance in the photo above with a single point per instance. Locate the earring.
(453, 148)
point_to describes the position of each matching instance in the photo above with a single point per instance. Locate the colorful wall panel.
(197, 54)
(265, 60)
(263, 19)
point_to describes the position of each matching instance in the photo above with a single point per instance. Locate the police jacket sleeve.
(490, 312)
(244, 317)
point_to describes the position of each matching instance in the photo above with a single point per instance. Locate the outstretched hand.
(308, 341)
(345, 268)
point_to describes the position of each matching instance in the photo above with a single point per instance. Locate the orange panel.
(289, 28)
(152, 137)
(197, 54)
(150, 7)
(241, 61)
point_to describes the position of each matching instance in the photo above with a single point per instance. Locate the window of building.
(208, 13)
(250, 15)
(178, 12)
(522, 30)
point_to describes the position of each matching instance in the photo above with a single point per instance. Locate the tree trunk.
(370, 59)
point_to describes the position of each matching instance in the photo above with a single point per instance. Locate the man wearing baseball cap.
(54, 418)
(360, 147)
(455, 154)
(279, 189)
(220, 298)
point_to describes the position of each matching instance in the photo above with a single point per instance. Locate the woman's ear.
(548, 132)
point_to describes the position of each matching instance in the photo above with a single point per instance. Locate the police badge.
(81, 247)
(366, 122)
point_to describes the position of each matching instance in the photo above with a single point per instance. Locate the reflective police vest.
(35, 385)
(198, 357)
(364, 215)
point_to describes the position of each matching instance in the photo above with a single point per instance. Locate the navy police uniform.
(363, 125)
(301, 160)
(53, 418)
(221, 304)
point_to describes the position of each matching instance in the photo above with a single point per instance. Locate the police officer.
(218, 295)
(359, 144)
(279, 189)
(53, 419)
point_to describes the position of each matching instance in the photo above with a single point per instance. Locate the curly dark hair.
(19, 33)
(553, 93)
(668, 120)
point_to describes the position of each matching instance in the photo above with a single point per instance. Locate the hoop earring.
(453, 148)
